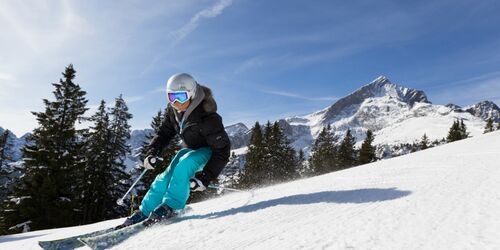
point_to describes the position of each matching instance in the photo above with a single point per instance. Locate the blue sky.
(263, 59)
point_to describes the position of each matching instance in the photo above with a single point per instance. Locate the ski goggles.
(180, 96)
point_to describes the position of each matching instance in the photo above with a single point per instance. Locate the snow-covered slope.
(441, 198)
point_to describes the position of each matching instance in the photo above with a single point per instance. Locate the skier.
(191, 113)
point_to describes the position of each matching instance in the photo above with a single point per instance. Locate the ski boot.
(136, 217)
(162, 212)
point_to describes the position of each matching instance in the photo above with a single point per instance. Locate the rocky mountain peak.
(235, 129)
(379, 87)
(485, 110)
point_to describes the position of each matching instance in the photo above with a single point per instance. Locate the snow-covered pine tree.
(324, 153)
(93, 182)
(118, 180)
(454, 133)
(489, 126)
(155, 125)
(253, 172)
(367, 151)
(267, 174)
(6, 180)
(302, 167)
(283, 162)
(6, 157)
(46, 193)
(347, 152)
(463, 130)
(424, 143)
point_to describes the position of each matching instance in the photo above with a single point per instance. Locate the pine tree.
(118, 179)
(52, 158)
(498, 127)
(93, 186)
(155, 125)
(253, 173)
(324, 152)
(463, 130)
(367, 151)
(6, 157)
(424, 143)
(266, 172)
(454, 133)
(283, 161)
(6, 180)
(347, 152)
(489, 126)
(302, 163)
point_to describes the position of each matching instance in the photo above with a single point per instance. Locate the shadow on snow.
(357, 196)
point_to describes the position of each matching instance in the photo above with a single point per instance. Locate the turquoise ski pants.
(172, 186)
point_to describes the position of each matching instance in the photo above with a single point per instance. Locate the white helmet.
(179, 83)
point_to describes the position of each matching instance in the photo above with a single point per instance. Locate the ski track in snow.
(441, 198)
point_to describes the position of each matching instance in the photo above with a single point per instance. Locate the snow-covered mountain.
(17, 143)
(239, 135)
(440, 198)
(485, 110)
(395, 114)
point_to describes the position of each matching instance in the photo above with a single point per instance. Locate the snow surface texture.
(441, 198)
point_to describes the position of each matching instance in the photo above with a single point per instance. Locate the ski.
(107, 240)
(114, 237)
(70, 242)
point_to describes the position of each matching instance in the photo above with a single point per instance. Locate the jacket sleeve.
(218, 141)
(165, 134)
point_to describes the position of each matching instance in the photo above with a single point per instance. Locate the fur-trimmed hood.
(209, 104)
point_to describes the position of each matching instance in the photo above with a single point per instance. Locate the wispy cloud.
(7, 81)
(6, 77)
(472, 90)
(180, 34)
(473, 80)
(194, 22)
(297, 96)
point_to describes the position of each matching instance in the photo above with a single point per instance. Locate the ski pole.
(120, 201)
(153, 161)
(226, 188)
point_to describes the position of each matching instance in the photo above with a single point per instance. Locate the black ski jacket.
(201, 127)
